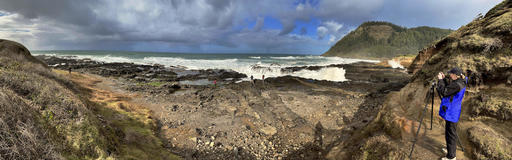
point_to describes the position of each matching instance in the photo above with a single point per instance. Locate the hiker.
(69, 69)
(252, 79)
(215, 83)
(263, 79)
(451, 90)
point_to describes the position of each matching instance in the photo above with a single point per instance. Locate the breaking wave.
(257, 66)
(395, 64)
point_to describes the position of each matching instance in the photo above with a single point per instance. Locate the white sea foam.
(395, 64)
(194, 63)
(47, 54)
(268, 66)
(328, 73)
(295, 57)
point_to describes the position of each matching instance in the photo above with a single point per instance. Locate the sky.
(216, 26)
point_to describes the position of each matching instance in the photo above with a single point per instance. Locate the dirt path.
(118, 109)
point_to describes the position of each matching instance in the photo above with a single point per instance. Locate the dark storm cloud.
(65, 13)
(91, 24)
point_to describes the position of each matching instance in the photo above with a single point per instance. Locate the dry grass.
(44, 115)
(21, 137)
(62, 116)
(133, 120)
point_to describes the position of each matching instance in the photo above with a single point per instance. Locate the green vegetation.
(44, 115)
(483, 49)
(385, 40)
(139, 141)
(489, 143)
(53, 119)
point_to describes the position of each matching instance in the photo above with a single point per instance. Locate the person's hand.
(440, 75)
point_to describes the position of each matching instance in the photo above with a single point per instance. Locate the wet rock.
(171, 86)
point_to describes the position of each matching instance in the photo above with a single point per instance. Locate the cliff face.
(384, 40)
(483, 49)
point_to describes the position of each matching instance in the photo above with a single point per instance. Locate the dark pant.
(450, 133)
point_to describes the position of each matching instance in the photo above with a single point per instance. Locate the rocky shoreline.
(279, 118)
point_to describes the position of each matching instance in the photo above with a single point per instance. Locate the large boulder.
(489, 144)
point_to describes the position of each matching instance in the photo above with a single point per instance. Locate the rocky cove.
(278, 118)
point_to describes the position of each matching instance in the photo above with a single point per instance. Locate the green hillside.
(385, 40)
(45, 115)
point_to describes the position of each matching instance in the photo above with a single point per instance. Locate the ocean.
(249, 64)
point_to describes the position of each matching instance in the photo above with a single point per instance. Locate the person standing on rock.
(452, 91)
(263, 79)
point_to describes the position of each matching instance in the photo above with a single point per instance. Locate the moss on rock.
(492, 106)
(489, 144)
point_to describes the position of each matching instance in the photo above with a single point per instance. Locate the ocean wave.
(44, 54)
(296, 57)
(328, 73)
(194, 63)
(255, 65)
(395, 64)
(105, 58)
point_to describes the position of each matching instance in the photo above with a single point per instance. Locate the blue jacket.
(451, 102)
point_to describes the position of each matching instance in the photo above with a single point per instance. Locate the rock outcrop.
(483, 49)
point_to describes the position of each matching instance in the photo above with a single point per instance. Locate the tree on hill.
(383, 40)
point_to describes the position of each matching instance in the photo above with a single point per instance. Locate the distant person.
(451, 91)
(69, 69)
(215, 83)
(263, 79)
(252, 79)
